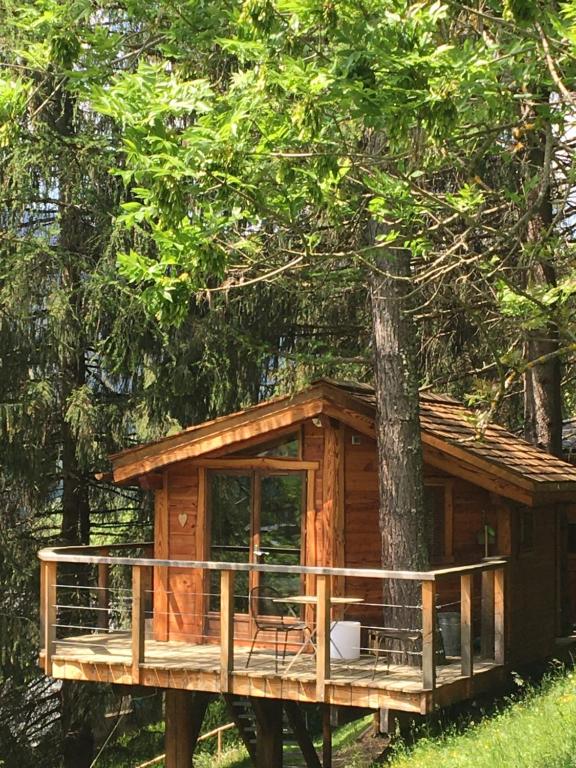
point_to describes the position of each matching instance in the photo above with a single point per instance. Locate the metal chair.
(269, 615)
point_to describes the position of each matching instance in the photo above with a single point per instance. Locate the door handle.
(260, 552)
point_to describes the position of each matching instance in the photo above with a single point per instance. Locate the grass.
(536, 731)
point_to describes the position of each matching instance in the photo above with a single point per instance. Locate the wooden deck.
(106, 657)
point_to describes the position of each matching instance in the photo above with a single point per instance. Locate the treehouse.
(264, 579)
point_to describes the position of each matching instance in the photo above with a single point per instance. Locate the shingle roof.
(449, 429)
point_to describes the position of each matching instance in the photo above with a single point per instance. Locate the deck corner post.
(487, 627)
(323, 594)
(138, 596)
(226, 629)
(103, 593)
(466, 634)
(48, 611)
(499, 616)
(428, 635)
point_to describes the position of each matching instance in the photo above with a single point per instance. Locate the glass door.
(280, 528)
(255, 518)
(230, 520)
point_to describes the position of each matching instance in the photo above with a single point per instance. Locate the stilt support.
(184, 715)
(326, 737)
(268, 732)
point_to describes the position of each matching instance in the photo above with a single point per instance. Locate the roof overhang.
(142, 465)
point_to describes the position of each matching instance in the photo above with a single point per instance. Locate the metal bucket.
(449, 623)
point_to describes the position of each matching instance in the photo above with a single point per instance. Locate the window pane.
(230, 502)
(280, 528)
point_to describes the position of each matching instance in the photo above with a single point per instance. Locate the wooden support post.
(298, 726)
(226, 629)
(49, 612)
(137, 621)
(326, 737)
(322, 635)
(184, 715)
(466, 624)
(487, 630)
(385, 721)
(428, 635)
(103, 595)
(269, 736)
(499, 614)
(161, 552)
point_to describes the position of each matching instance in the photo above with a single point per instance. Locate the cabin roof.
(498, 460)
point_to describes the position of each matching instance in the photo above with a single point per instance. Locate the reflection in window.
(285, 447)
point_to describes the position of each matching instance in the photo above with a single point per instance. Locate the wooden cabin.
(284, 495)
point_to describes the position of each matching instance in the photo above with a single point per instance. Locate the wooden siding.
(185, 534)
(341, 528)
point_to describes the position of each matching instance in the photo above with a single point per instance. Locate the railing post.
(499, 614)
(48, 613)
(138, 624)
(466, 623)
(226, 629)
(322, 635)
(487, 628)
(428, 635)
(103, 595)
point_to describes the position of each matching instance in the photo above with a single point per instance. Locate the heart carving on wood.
(182, 519)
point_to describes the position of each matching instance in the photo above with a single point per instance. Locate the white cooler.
(344, 640)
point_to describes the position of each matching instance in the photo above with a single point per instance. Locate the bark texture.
(403, 524)
(542, 381)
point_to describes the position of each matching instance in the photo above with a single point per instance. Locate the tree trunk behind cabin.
(403, 524)
(543, 381)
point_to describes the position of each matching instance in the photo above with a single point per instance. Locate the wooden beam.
(310, 539)
(162, 552)
(333, 548)
(257, 462)
(487, 622)
(103, 595)
(138, 596)
(428, 635)
(226, 629)
(499, 616)
(466, 624)
(49, 613)
(185, 712)
(326, 736)
(435, 456)
(322, 635)
(301, 734)
(214, 435)
(202, 536)
(269, 737)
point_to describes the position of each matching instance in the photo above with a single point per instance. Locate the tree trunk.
(403, 525)
(542, 381)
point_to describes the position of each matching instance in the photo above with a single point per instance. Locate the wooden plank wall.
(184, 604)
(571, 564)
(531, 578)
(532, 589)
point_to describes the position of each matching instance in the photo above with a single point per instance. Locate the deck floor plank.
(110, 653)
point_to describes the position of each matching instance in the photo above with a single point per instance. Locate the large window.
(255, 517)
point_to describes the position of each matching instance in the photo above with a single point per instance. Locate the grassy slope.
(538, 731)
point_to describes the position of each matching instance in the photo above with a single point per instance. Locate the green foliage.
(536, 731)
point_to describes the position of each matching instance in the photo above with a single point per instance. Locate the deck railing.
(118, 604)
